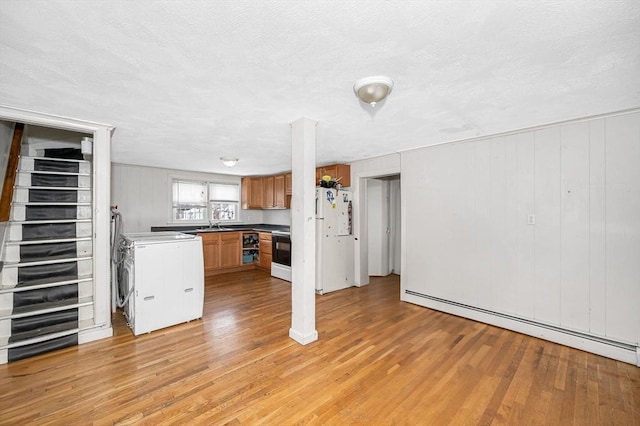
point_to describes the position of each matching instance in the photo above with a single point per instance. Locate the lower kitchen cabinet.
(230, 249)
(235, 251)
(221, 250)
(210, 251)
(265, 250)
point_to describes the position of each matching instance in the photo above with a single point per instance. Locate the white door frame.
(359, 189)
(101, 190)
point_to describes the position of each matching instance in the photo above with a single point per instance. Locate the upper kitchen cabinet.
(279, 192)
(339, 172)
(274, 192)
(288, 184)
(267, 192)
(268, 195)
(252, 197)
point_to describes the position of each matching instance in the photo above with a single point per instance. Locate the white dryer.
(166, 272)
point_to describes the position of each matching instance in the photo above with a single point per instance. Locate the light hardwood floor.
(378, 361)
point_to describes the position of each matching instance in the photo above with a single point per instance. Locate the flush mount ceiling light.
(229, 161)
(372, 90)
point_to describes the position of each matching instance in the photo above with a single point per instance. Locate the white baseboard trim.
(94, 334)
(303, 339)
(620, 353)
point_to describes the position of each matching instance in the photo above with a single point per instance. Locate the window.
(205, 201)
(223, 201)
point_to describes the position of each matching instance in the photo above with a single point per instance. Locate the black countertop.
(194, 229)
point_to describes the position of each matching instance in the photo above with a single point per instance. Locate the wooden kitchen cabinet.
(211, 251)
(288, 184)
(274, 192)
(252, 192)
(265, 251)
(336, 171)
(279, 192)
(268, 195)
(221, 250)
(230, 249)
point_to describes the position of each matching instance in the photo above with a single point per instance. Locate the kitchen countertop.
(195, 229)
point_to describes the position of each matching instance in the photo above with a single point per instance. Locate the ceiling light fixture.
(372, 90)
(229, 161)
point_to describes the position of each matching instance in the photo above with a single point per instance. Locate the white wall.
(277, 217)
(6, 136)
(143, 195)
(467, 240)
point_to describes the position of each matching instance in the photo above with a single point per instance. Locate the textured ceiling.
(186, 82)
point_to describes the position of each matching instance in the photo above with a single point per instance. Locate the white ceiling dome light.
(372, 90)
(229, 161)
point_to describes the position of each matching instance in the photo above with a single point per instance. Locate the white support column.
(303, 231)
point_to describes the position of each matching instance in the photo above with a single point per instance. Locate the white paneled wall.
(143, 195)
(468, 240)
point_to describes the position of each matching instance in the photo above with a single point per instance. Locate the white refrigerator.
(334, 240)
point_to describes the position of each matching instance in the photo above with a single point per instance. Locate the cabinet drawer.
(209, 236)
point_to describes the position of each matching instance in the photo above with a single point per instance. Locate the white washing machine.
(166, 272)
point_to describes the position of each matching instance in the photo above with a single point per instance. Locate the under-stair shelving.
(46, 284)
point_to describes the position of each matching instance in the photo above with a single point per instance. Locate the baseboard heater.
(615, 343)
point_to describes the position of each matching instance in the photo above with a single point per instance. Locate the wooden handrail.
(11, 173)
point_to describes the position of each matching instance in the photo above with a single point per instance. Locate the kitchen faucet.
(212, 224)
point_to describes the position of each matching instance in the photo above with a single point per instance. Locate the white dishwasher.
(166, 272)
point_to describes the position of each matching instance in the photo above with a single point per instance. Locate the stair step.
(59, 240)
(50, 203)
(16, 289)
(49, 179)
(52, 173)
(60, 270)
(82, 326)
(28, 351)
(40, 157)
(72, 153)
(33, 222)
(49, 212)
(44, 308)
(49, 230)
(69, 249)
(45, 194)
(46, 262)
(55, 327)
(54, 165)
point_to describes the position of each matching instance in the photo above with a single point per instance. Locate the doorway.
(383, 225)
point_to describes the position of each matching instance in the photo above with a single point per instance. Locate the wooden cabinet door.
(251, 192)
(211, 251)
(255, 193)
(230, 249)
(288, 184)
(268, 192)
(278, 192)
(336, 171)
(343, 171)
(265, 250)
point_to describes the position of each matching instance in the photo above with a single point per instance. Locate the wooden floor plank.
(377, 361)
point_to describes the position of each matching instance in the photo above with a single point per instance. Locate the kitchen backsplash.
(277, 217)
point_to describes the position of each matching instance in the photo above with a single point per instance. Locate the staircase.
(46, 283)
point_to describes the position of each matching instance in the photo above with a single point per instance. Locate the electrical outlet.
(531, 219)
